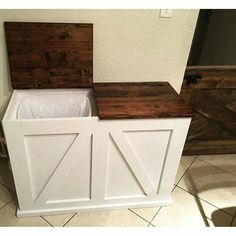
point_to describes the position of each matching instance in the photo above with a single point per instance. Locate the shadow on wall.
(3, 145)
(3, 107)
(6, 177)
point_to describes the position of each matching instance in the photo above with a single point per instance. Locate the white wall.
(129, 45)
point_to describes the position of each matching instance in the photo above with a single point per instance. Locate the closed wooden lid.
(139, 100)
(50, 55)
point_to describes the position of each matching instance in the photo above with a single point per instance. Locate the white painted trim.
(92, 208)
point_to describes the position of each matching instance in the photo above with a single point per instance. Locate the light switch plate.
(166, 13)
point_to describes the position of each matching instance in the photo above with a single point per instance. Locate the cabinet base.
(54, 211)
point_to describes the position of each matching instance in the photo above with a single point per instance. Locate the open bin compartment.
(49, 104)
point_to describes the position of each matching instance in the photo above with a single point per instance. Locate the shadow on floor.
(217, 216)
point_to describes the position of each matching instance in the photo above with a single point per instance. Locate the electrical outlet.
(166, 13)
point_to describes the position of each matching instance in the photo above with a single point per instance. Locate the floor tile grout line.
(6, 203)
(155, 215)
(175, 185)
(16, 216)
(47, 221)
(151, 225)
(217, 167)
(139, 216)
(7, 188)
(234, 217)
(210, 220)
(197, 195)
(161, 206)
(203, 200)
(173, 188)
(186, 170)
(70, 219)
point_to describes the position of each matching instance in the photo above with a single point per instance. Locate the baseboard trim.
(54, 211)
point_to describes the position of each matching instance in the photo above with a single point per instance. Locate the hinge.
(192, 79)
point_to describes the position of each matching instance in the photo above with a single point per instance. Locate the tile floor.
(204, 194)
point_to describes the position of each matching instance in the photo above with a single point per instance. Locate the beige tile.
(185, 212)
(107, 218)
(147, 212)
(234, 223)
(6, 177)
(225, 161)
(212, 184)
(183, 166)
(8, 217)
(58, 220)
(5, 195)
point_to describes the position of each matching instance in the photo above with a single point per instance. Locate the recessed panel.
(120, 179)
(76, 184)
(150, 147)
(44, 153)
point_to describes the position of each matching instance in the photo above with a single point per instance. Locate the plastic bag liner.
(54, 106)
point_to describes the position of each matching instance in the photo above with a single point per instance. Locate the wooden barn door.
(211, 93)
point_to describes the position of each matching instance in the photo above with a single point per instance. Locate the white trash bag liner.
(54, 106)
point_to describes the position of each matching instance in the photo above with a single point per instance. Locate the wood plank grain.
(199, 126)
(214, 109)
(139, 100)
(50, 55)
(42, 32)
(200, 147)
(212, 78)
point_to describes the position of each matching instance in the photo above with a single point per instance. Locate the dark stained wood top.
(139, 100)
(50, 55)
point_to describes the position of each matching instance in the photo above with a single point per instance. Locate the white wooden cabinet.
(73, 164)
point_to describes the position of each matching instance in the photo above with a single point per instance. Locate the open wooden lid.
(50, 55)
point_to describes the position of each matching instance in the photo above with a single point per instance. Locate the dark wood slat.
(214, 109)
(199, 126)
(50, 55)
(226, 96)
(60, 71)
(216, 133)
(232, 106)
(25, 47)
(220, 146)
(202, 128)
(54, 56)
(212, 78)
(62, 32)
(139, 100)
